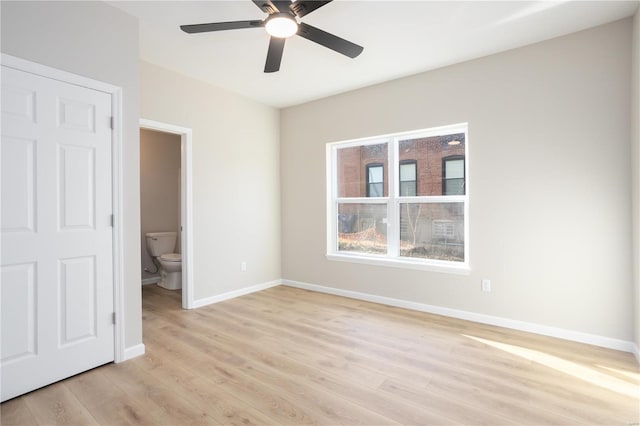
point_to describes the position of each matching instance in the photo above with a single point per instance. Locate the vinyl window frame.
(393, 201)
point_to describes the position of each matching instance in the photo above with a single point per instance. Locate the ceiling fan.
(281, 24)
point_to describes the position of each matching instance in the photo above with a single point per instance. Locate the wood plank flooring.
(293, 357)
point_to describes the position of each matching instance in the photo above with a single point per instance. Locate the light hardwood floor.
(289, 356)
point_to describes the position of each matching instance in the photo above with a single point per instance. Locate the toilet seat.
(171, 257)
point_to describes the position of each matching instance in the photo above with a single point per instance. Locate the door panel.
(57, 267)
(76, 187)
(18, 185)
(19, 340)
(19, 102)
(77, 300)
(76, 115)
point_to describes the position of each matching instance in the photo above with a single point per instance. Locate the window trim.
(393, 200)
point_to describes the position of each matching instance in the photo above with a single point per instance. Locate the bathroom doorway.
(169, 146)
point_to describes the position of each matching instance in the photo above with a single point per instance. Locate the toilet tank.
(159, 243)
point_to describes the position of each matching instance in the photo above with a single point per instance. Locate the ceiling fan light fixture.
(281, 25)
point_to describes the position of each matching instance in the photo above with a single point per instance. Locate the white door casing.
(186, 203)
(57, 283)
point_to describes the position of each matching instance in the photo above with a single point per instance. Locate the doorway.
(185, 230)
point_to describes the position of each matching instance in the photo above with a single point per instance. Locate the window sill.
(431, 265)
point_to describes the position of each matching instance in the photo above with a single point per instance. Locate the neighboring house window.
(408, 178)
(375, 180)
(393, 215)
(453, 175)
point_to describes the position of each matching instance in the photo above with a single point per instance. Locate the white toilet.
(160, 245)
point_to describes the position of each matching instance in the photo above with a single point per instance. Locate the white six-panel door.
(56, 272)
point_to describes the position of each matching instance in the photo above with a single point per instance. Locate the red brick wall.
(428, 153)
(352, 168)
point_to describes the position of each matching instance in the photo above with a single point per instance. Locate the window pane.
(454, 187)
(454, 169)
(407, 189)
(408, 171)
(429, 153)
(376, 190)
(432, 231)
(352, 165)
(362, 228)
(375, 174)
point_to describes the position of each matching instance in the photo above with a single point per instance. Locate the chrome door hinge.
(111, 125)
(113, 220)
(113, 318)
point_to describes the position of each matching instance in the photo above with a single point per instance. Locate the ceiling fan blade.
(267, 6)
(331, 41)
(284, 6)
(274, 55)
(220, 26)
(305, 7)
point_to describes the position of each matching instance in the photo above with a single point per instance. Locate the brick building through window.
(425, 167)
(426, 153)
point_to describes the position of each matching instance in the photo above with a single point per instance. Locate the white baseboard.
(133, 351)
(150, 280)
(636, 352)
(576, 336)
(235, 293)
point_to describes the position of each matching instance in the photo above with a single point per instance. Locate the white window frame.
(393, 201)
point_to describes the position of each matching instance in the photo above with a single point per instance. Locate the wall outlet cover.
(486, 285)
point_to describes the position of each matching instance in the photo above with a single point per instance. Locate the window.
(381, 209)
(408, 178)
(375, 180)
(453, 175)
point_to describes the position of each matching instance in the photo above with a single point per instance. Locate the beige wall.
(94, 40)
(549, 175)
(635, 167)
(236, 181)
(548, 181)
(159, 188)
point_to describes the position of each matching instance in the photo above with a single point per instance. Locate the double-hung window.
(400, 200)
(375, 180)
(453, 175)
(408, 178)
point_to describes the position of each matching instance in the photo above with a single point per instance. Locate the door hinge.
(111, 123)
(113, 318)
(113, 220)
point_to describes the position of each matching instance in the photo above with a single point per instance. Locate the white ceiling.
(400, 38)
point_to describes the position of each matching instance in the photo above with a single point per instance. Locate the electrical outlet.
(243, 267)
(486, 285)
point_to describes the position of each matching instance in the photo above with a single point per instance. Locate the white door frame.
(117, 178)
(186, 203)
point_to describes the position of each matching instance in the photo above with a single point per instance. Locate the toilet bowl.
(170, 271)
(160, 246)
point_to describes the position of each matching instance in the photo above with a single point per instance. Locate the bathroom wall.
(159, 188)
